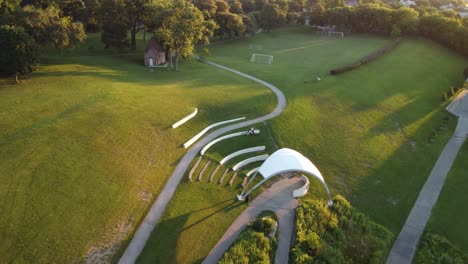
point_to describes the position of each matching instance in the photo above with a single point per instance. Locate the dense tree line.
(63, 23)
(374, 19)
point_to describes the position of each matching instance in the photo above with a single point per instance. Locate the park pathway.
(157, 209)
(406, 244)
(279, 199)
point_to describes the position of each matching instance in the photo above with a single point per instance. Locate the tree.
(236, 7)
(259, 4)
(250, 24)
(248, 5)
(115, 25)
(19, 52)
(7, 8)
(183, 28)
(132, 13)
(136, 11)
(406, 19)
(222, 6)
(272, 16)
(317, 12)
(49, 27)
(206, 5)
(334, 3)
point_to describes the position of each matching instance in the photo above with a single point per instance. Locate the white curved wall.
(201, 133)
(241, 164)
(243, 133)
(252, 171)
(240, 152)
(185, 119)
(304, 189)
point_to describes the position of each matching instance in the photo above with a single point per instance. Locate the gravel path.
(406, 244)
(157, 209)
(279, 199)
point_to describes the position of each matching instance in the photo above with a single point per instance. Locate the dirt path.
(406, 244)
(278, 199)
(157, 209)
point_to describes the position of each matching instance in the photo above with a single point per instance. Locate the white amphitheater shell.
(285, 160)
(201, 133)
(240, 152)
(245, 162)
(185, 119)
(243, 133)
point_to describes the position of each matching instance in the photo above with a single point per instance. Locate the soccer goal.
(335, 34)
(261, 58)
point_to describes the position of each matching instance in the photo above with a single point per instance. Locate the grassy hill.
(374, 133)
(86, 146)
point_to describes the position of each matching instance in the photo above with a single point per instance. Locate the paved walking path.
(279, 199)
(157, 209)
(406, 244)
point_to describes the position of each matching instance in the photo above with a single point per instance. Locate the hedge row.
(371, 57)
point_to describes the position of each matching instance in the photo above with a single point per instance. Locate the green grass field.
(85, 147)
(85, 143)
(450, 215)
(375, 133)
(370, 131)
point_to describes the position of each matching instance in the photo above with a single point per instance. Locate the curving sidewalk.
(157, 209)
(279, 199)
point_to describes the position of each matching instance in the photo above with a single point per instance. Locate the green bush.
(437, 249)
(371, 57)
(253, 245)
(337, 234)
(465, 72)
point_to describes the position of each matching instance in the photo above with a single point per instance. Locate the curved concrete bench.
(201, 133)
(207, 146)
(241, 164)
(304, 189)
(240, 152)
(185, 119)
(252, 171)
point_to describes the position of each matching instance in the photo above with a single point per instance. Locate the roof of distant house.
(154, 44)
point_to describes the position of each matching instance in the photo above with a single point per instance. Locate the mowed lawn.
(450, 215)
(86, 146)
(375, 133)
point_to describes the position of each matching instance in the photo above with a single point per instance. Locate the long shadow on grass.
(171, 229)
(388, 193)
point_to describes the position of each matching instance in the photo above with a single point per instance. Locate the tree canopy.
(183, 27)
(19, 52)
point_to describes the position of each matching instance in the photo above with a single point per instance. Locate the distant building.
(447, 7)
(154, 53)
(407, 3)
(353, 3)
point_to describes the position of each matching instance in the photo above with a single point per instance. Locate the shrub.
(466, 73)
(371, 57)
(337, 234)
(437, 249)
(396, 32)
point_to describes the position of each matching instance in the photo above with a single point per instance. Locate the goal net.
(335, 34)
(261, 58)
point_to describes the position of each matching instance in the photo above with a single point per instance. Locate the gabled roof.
(154, 44)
